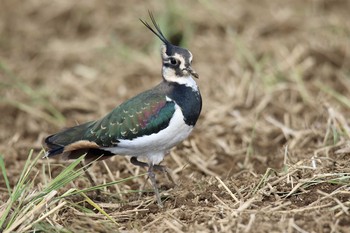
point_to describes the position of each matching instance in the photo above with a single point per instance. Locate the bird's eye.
(173, 61)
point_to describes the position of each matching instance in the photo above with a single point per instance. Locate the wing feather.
(131, 120)
(144, 114)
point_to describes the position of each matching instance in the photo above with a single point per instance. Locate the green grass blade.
(101, 186)
(3, 169)
(18, 191)
(96, 206)
(66, 176)
(339, 97)
(263, 180)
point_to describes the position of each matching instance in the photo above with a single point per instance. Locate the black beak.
(192, 72)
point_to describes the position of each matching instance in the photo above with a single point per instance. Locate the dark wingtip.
(157, 30)
(53, 152)
(53, 149)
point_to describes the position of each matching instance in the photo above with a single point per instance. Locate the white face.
(177, 66)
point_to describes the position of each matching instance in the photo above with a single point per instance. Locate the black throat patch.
(190, 101)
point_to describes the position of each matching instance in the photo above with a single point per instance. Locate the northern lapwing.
(146, 126)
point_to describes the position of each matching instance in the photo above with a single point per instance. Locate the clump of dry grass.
(270, 151)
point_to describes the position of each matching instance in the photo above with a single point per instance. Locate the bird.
(144, 127)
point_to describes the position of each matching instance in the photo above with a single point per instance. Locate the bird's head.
(176, 60)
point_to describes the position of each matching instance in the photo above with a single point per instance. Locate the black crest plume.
(158, 32)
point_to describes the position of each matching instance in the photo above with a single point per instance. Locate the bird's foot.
(152, 176)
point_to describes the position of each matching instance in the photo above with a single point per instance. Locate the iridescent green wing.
(142, 115)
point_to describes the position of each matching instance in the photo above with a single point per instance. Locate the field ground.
(270, 152)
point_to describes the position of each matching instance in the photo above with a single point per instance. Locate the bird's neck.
(187, 96)
(188, 81)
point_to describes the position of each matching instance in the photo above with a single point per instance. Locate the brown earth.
(270, 152)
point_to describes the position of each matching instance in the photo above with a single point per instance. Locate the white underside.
(153, 147)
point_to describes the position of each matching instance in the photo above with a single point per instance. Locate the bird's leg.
(152, 177)
(134, 161)
(160, 168)
(89, 176)
(167, 172)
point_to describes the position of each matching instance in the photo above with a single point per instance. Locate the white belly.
(154, 146)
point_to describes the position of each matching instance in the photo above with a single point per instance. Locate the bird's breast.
(190, 102)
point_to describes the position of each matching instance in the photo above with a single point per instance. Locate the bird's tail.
(56, 143)
(72, 144)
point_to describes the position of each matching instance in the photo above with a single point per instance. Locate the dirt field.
(270, 152)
